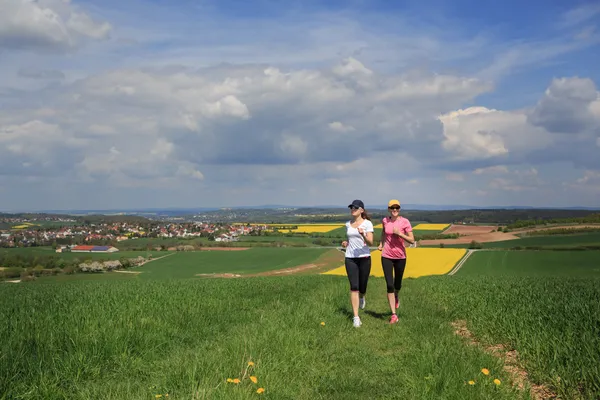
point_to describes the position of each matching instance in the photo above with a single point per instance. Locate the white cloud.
(339, 127)
(46, 25)
(569, 106)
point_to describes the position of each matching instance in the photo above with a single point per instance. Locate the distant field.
(49, 252)
(532, 263)
(431, 227)
(188, 264)
(555, 241)
(420, 262)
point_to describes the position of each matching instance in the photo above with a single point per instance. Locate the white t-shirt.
(357, 247)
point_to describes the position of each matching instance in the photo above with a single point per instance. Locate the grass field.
(48, 251)
(553, 322)
(420, 262)
(556, 241)
(532, 263)
(188, 264)
(135, 339)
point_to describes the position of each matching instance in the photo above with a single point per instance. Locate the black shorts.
(393, 270)
(358, 270)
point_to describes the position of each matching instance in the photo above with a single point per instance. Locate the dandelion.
(260, 390)
(471, 383)
(250, 364)
(485, 371)
(158, 396)
(322, 323)
(229, 380)
(236, 381)
(253, 379)
(497, 381)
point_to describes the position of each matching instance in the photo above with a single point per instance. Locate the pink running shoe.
(393, 319)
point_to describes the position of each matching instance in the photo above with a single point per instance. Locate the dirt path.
(512, 365)
(461, 262)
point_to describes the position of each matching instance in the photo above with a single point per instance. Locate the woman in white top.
(359, 231)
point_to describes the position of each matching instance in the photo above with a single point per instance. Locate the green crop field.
(532, 263)
(557, 241)
(552, 321)
(188, 264)
(49, 252)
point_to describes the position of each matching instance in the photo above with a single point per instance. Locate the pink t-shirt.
(393, 245)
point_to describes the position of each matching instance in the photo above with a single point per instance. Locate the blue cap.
(357, 203)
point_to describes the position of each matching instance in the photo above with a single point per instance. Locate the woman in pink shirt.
(396, 230)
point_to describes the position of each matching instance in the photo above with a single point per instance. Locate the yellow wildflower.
(485, 371)
(158, 396)
(253, 379)
(236, 381)
(229, 380)
(323, 323)
(250, 364)
(497, 381)
(260, 390)
(471, 382)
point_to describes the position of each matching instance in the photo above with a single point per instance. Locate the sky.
(179, 103)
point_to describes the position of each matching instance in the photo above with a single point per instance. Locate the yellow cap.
(394, 203)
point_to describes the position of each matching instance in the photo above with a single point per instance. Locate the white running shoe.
(362, 302)
(356, 322)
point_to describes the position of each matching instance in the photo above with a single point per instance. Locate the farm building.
(93, 249)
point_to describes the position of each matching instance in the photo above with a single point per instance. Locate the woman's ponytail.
(364, 215)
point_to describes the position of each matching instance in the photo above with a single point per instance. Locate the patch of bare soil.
(219, 275)
(482, 238)
(467, 230)
(224, 248)
(512, 365)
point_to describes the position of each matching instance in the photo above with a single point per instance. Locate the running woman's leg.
(399, 267)
(388, 272)
(352, 271)
(364, 270)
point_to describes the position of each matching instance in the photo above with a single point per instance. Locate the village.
(105, 237)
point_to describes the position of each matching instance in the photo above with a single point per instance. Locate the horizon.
(140, 104)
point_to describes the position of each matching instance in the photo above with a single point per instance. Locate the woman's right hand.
(344, 243)
(380, 247)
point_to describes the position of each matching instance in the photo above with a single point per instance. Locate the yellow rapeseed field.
(420, 262)
(430, 227)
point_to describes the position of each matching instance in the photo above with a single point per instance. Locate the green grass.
(557, 241)
(532, 263)
(553, 322)
(188, 264)
(136, 338)
(48, 252)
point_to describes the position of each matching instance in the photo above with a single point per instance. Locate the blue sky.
(204, 103)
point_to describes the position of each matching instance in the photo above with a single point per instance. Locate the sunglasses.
(353, 208)
(394, 208)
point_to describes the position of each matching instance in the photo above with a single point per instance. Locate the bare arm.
(369, 238)
(410, 238)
